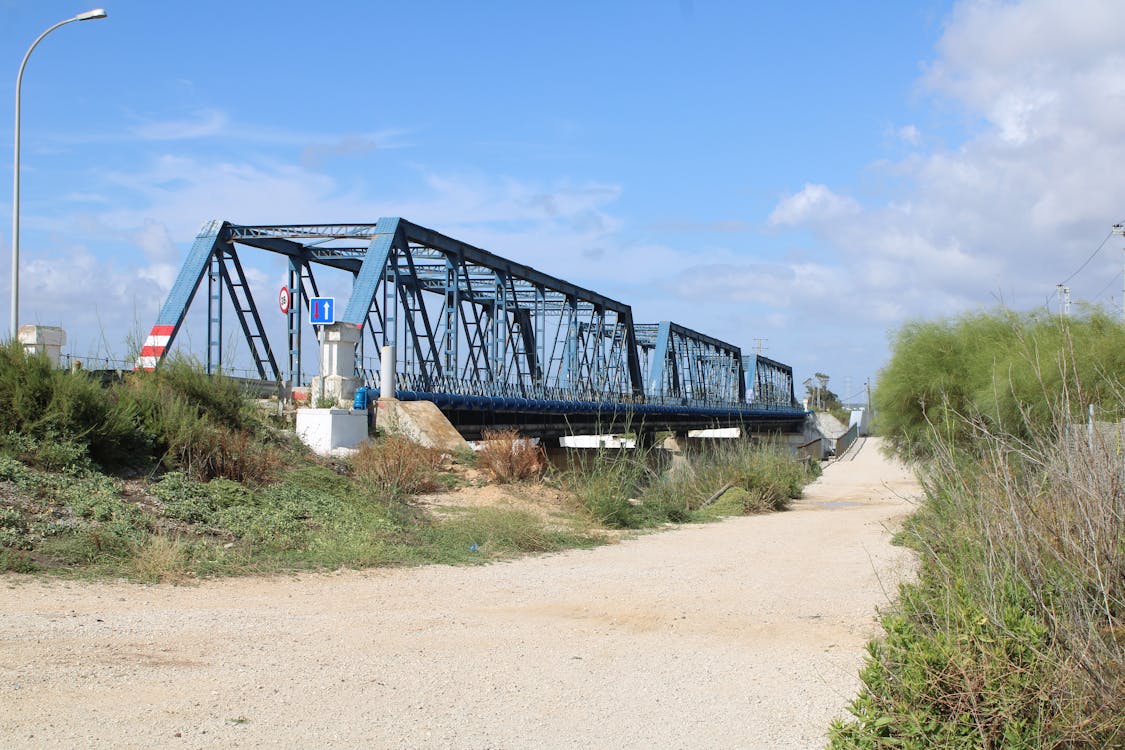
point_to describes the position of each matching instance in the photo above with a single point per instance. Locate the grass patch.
(475, 535)
(631, 489)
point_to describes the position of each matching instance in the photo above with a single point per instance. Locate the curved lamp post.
(87, 16)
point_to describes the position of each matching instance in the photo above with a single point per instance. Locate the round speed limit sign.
(283, 300)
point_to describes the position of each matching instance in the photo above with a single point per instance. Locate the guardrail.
(846, 440)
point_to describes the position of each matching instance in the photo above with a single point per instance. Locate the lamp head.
(90, 15)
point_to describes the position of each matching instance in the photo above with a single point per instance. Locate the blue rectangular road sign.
(322, 311)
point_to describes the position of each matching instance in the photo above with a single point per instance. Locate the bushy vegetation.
(631, 490)
(176, 418)
(82, 522)
(175, 474)
(1011, 372)
(1013, 634)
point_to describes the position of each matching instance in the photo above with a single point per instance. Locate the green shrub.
(52, 452)
(627, 490)
(108, 544)
(999, 371)
(319, 479)
(217, 398)
(178, 415)
(13, 529)
(59, 407)
(607, 485)
(12, 561)
(772, 477)
(184, 499)
(197, 423)
(1014, 634)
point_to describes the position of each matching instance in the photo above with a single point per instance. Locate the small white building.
(47, 340)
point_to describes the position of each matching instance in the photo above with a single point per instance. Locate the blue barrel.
(362, 398)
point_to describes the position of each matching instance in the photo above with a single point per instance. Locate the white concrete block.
(47, 340)
(725, 433)
(325, 431)
(597, 441)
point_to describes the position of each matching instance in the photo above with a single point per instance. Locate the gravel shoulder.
(745, 633)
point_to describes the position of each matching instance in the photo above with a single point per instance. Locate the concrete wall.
(862, 417)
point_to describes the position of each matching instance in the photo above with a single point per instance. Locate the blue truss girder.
(467, 321)
(500, 314)
(770, 382)
(690, 366)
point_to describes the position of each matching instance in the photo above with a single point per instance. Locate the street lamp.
(87, 16)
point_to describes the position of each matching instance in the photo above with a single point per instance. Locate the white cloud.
(205, 123)
(814, 203)
(1018, 205)
(910, 135)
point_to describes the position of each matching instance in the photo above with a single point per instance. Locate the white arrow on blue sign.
(322, 311)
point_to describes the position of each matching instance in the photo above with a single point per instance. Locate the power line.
(1086, 262)
(1112, 281)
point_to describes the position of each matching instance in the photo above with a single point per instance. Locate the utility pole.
(1119, 229)
(759, 344)
(1064, 299)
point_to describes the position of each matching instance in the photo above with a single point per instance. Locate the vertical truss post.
(450, 314)
(293, 321)
(215, 314)
(359, 369)
(390, 300)
(498, 330)
(568, 377)
(541, 335)
(660, 359)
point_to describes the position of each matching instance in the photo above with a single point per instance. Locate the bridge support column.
(676, 446)
(387, 372)
(337, 381)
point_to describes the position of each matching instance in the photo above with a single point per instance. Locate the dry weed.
(162, 559)
(397, 466)
(507, 457)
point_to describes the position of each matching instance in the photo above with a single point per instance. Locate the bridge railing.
(414, 382)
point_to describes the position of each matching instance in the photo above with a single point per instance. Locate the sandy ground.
(742, 634)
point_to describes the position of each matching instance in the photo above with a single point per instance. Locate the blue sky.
(813, 174)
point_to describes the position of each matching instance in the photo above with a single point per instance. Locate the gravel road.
(741, 634)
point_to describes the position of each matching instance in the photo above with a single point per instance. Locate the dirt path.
(741, 634)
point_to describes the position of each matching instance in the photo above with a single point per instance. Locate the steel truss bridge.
(492, 342)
